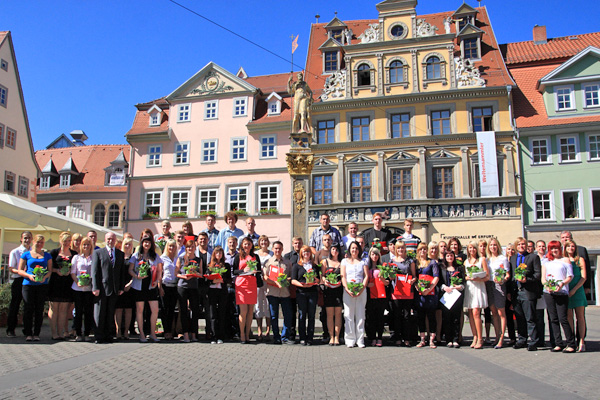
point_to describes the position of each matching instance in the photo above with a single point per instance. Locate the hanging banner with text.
(488, 164)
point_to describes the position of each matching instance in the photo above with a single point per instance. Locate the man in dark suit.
(107, 285)
(525, 293)
(293, 257)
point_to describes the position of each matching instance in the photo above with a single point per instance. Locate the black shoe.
(519, 345)
(276, 341)
(10, 334)
(308, 343)
(303, 342)
(532, 347)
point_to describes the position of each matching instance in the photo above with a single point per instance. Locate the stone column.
(422, 174)
(380, 74)
(415, 72)
(380, 177)
(464, 156)
(341, 179)
(509, 176)
(451, 66)
(299, 163)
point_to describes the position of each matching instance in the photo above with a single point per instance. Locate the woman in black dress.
(333, 293)
(61, 294)
(125, 302)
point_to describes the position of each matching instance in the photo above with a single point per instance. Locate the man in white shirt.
(16, 287)
(351, 236)
(250, 225)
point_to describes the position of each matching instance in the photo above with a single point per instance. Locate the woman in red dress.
(246, 285)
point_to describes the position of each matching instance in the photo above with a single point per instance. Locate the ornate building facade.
(413, 119)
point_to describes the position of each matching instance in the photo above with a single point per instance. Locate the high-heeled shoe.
(479, 345)
(581, 348)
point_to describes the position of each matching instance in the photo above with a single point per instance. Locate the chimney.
(539, 35)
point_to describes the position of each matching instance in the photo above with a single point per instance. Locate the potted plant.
(178, 215)
(207, 212)
(240, 212)
(151, 215)
(269, 211)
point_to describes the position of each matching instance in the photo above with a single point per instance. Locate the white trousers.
(354, 316)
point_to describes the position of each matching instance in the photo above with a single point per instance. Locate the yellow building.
(409, 106)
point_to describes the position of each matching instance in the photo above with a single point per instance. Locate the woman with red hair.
(556, 275)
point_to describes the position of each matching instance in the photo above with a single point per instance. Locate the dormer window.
(331, 61)
(273, 104)
(155, 115)
(153, 119)
(564, 98)
(45, 182)
(336, 34)
(65, 180)
(471, 48)
(464, 22)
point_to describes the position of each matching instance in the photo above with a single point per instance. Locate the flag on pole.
(295, 44)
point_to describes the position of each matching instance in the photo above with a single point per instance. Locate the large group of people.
(361, 281)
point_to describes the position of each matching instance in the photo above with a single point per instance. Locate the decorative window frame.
(274, 99)
(338, 61)
(204, 149)
(108, 216)
(443, 79)
(180, 190)
(148, 156)
(480, 104)
(324, 118)
(440, 159)
(559, 149)
(143, 200)
(65, 180)
(548, 147)
(45, 182)
(592, 190)
(228, 189)
(477, 37)
(207, 105)
(201, 188)
(405, 81)
(359, 163)
(3, 96)
(474, 165)
(441, 107)
(584, 86)
(323, 172)
(262, 145)
(400, 160)
(187, 152)
(550, 194)
(373, 77)
(184, 115)
(573, 106)
(589, 149)
(360, 114)
(13, 176)
(402, 110)
(235, 106)
(96, 206)
(260, 184)
(579, 201)
(393, 25)
(245, 146)
(10, 138)
(154, 111)
(23, 188)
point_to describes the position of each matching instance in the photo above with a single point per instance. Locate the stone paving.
(55, 370)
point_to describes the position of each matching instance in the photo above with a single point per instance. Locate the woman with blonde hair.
(76, 241)
(125, 302)
(426, 300)
(82, 292)
(60, 293)
(475, 294)
(169, 284)
(261, 310)
(499, 268)
(577, 299)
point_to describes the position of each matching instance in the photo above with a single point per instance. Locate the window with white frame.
(274, 107)
(238, 149)
(11, 138)
(594, 147)
(154, 156)
(3, 96)
(268, 197)
(240, 106)
(207, 200)
(211, 109)
(540, 151)
(77, 210)
(182, 153)
(568, 148)
(238, 198)
(154, 120)
(113, 216)
(65, 180)
(152, 202)
(268, 145)
(9, 182)
(179, 201)
(45, 182)
(572, 207)
(543, 206)
(183, 112)
(595, 197)
(591, 95)
(23, 186)
(209, 151)
(99, 214)
(564, 98)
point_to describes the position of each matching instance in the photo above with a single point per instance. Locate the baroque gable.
(360, 158)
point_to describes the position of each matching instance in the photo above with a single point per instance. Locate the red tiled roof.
(555, 48)
(270, 83)
(529, 106)
(495, 72)
(141, 121)
(90, 161)
(267, 85)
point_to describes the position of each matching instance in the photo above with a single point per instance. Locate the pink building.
(216, 143)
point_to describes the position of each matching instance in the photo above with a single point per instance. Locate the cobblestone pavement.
(177, 370)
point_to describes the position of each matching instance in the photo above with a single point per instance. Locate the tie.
(112, 257)
(519, 262)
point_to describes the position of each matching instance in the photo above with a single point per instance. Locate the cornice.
(207, 174)
(447, 39)
(268, 127)
(147, 137)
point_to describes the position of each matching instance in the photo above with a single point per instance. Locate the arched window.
(364, 75)
(434, 68)
(99, 214)
(396, 72)
(113, 216)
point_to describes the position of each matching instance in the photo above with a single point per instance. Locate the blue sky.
(85, 64)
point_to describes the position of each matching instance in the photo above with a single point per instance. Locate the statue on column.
(302, 101)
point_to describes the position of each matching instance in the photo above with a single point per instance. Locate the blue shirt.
(212, 238)
(225, 234)
(35, 262)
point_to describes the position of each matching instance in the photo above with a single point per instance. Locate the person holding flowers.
(189, 269)
(477, 274)
(35, 267)
(556, 275)
(402, 296)
(219, 275)
(333, 293)
(499, 269)
(426, 300)
(277, 272)
(169, 285)
(577, 299)
(452, 277)
(145, 267)
(125, 302)
(355, 278)
(81, 278)
(59, 290)
(246, 267)
(261, 310)
(305, 277)
(380, 275)
(161, 238)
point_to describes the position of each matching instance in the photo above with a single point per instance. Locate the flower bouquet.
(39, 273)
(387, 271)
(143, 269)
(521, 271)
(252, 264)
(310, 276)
(84, 279)
(192, 269)
(65, 266)
(499, 275)
(475, 272)
(282, 279)
(551, 284)
(455, 279)
(332, 279)
(161, 242)
(423, 285)
(377, 244)
(411, 254)
(459, 262)
(215, 273)
(355, 287)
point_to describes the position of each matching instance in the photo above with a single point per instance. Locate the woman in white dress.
(261, 310)
(496, 288)
(475, 294)
(353, 269)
